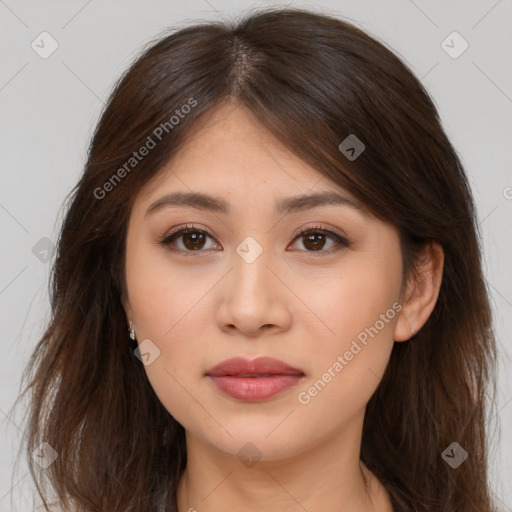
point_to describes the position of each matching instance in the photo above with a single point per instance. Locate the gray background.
(50, 106)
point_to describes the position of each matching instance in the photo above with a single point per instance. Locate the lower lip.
(255, 389)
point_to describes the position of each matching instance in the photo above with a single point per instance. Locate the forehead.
(229, 149)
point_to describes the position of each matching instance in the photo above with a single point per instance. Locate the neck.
(329, 477)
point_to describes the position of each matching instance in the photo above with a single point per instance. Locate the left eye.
(193, 239)
(314, 239)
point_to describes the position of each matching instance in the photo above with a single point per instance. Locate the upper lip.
(260, 366)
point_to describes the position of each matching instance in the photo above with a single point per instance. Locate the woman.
(268, 291)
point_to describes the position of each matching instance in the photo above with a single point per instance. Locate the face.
(242, 282)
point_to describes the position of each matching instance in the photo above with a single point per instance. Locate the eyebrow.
(201, 201)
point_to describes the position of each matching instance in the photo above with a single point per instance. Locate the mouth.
(254, 381)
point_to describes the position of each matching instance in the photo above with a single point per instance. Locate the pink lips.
(254, 380)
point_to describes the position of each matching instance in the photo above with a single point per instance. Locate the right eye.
(192, 239)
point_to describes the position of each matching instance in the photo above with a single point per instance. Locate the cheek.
(357, 310)
(171, 312)
(162, 294)
(351, 298)
(166, 304)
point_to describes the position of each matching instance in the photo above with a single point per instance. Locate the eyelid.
(317, 227)
(187, 227)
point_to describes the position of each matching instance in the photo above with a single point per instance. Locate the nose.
(254, 300)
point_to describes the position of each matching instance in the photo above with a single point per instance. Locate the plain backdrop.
(50, 105)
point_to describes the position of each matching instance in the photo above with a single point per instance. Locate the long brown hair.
(312, 80)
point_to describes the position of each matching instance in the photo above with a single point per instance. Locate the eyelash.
(343, 242)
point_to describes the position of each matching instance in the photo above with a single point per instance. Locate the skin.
(212, 305)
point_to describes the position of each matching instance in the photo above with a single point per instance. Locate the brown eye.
(192, 240)
(315, 239)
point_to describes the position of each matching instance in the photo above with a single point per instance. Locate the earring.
(132, 331)
(413, 331)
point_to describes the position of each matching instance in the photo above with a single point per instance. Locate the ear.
(421, 292)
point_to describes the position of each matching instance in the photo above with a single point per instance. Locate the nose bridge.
(252, 295)
(251, 261)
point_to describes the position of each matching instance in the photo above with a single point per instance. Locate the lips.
(254, 381)
(260, 367)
